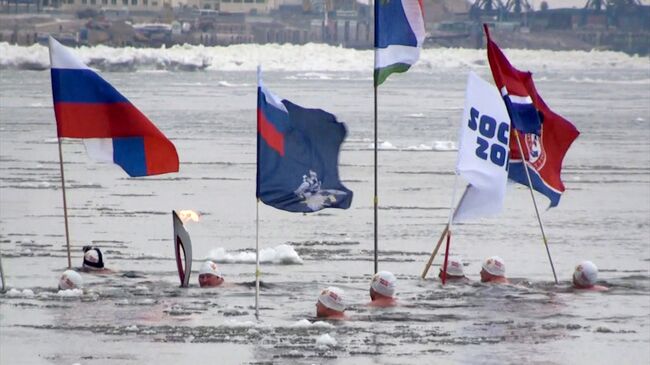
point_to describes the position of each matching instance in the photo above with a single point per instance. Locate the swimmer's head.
(585, 275)
(382, 285)
(493, 268)
(330, 303)
(454, 268)
(209, 275)
(70, 279)
(93, 258)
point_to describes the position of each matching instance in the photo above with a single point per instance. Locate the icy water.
(139, 315)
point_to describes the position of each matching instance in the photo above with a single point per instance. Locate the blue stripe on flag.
(392, 26)
(516, 173)
(128, 152)
(82, 86)
(524, 117)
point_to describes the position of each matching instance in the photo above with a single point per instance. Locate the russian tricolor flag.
(113, 129)
(399, 34)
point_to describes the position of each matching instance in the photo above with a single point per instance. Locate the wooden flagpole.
(449, 223)
(446, 231)
(257, 259)
(435, 251)
(65, 204)
(530, 187)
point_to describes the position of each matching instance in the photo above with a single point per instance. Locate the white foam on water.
(281, 254)
(325, 340)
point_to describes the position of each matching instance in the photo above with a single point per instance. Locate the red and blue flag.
(113, 129)
(297, 156)
(545, 136)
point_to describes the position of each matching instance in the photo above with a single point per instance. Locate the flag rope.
(530, 187)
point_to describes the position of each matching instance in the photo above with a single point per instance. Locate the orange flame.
(188, 215)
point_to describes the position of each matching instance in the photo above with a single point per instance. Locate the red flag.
(544, 150)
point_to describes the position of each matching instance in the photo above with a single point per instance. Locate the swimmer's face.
(485, 276)
(209, 280)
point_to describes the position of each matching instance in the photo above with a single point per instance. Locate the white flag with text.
(483, 151)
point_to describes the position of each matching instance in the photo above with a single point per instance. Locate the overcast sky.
(568, 3)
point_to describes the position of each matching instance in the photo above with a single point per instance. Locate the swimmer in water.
(209, 275)
(70, 279)
(585, 276)
(93, 261)
(382, 289)
(455, 271)
(330, 304)
(493, 270)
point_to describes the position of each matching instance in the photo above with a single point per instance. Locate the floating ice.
(385, 145)
(420, 147)
(309, 58)
(238, 324)
(444, 146)
(325, 340)
(14, 293)
(281, 254)
(416, 115)
(304, 323)
(70, 293)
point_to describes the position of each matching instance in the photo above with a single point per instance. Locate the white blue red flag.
(399, 34)
(545, 136)
(113, 129)
(297, 156)
(482, 151)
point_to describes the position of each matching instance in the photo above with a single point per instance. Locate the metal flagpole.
(65, 205)
(375, 198)
(2, 275)
(530, 187)
(257, 259)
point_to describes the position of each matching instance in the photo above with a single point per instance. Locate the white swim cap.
(211, 268)
(70, 279)
(454, 267)
(93, 258)
(332, 298)
(586, 273)
(495, 266)
(384, 283)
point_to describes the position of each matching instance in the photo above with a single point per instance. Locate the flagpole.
(375, 198)
(257, 259)
(65, 204)
(449, 224)
(2, 276)
(435, 251)
(530, 187)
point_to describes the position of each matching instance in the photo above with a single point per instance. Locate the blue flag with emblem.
(297, 156)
